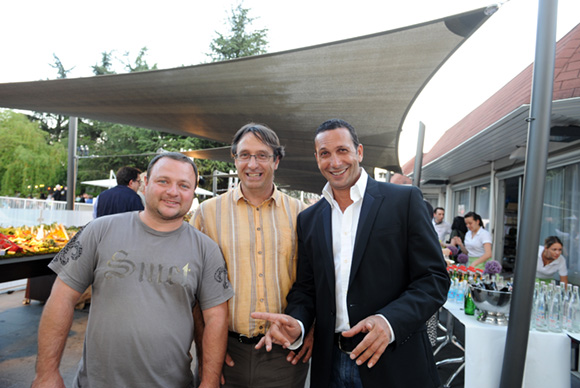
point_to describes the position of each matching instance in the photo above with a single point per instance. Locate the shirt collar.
(357, 191)
(276, 195)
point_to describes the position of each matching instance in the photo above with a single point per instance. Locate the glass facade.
(461, 204)
(482, 196)
(561, 212)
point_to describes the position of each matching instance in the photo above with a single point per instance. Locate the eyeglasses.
(245, 157)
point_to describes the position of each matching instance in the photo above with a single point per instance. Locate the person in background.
(59, 193)
(477, 243)
(458, 228)
(255, 227)
(123, 197)
(141, 189)
(370, 271)
(148, 269)
(551, 261)
(442, 227)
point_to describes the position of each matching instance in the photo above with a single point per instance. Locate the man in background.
(123, 197)
(442, 227)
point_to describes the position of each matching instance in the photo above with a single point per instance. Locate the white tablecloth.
(547, 358)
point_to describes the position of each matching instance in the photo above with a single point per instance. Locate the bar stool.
(450, 338)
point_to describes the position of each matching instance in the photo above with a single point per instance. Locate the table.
(547, 358)
(25, 267)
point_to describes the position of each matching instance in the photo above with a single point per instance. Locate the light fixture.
(519, 153)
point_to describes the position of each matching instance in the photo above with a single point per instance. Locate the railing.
(25, 211)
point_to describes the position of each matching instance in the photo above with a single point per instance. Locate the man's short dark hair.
(437, 208)
(331, 124)
(175, 156)
(265, 134)
(127, 174)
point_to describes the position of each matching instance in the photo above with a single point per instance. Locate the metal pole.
(534, 178)
(419, 156)
(72, 163)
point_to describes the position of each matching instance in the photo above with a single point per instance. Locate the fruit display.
(34, 240)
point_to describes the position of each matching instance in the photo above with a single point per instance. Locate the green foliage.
(62, 72)
(239, 42)
(140, 64)
(106, 64)
(120, 145)
(26, 158)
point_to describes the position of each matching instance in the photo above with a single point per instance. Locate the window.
(561, 212)
(461, 202)
(482, 195)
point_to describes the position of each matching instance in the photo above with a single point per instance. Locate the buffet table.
(547, 358)
(25, 267)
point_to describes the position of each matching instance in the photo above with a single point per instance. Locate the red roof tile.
(515, 93)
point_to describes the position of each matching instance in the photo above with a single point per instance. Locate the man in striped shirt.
(255, 227)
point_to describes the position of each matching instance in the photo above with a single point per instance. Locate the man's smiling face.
(255, 176)
(338, 158)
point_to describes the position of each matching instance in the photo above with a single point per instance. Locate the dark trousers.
(261, 369)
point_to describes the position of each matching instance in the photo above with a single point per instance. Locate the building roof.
(494, 129)
(369, 81)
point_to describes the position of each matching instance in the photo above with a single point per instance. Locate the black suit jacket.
(397, 271)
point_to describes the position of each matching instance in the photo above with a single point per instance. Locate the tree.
(140, 64)
(26, 158)
(55, 125)
(106, 64)
(239, 43)
(62, 72)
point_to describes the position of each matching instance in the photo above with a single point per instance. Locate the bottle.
(554, 317)
(574, 311)
(534, 306)
(567, 294)
(468, 303)
(487, 282)
(452, 291)
(460, 293)
(541, 310)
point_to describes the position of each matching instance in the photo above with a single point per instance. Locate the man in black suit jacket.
(370, 272)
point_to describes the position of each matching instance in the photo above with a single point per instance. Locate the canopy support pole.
(534, 177)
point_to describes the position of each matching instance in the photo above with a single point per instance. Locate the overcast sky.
(178, 32)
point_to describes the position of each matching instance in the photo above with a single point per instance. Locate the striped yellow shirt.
(259, 245)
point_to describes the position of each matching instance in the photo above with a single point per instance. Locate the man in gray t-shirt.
(148, 269)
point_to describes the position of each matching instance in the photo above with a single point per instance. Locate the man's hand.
(53, 381)
(284, 330)
(374, 343)
(305, 352)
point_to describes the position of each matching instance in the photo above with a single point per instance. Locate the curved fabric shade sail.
(369, 81)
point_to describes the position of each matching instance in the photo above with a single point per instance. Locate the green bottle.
(468, 305)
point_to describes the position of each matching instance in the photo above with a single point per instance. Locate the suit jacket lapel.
(327, 245)
(370, 206)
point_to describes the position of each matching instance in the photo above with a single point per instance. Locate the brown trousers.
(261, 369)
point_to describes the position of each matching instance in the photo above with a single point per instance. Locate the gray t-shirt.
(145, 284)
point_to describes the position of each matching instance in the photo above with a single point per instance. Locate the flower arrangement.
(453, 250)
(462, 258)
(492, 267)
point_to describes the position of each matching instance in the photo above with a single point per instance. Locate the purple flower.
(453, 250)
(462, 258)
(492, 267)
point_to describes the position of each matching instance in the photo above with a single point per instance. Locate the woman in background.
(477, 243)
(551, 261)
